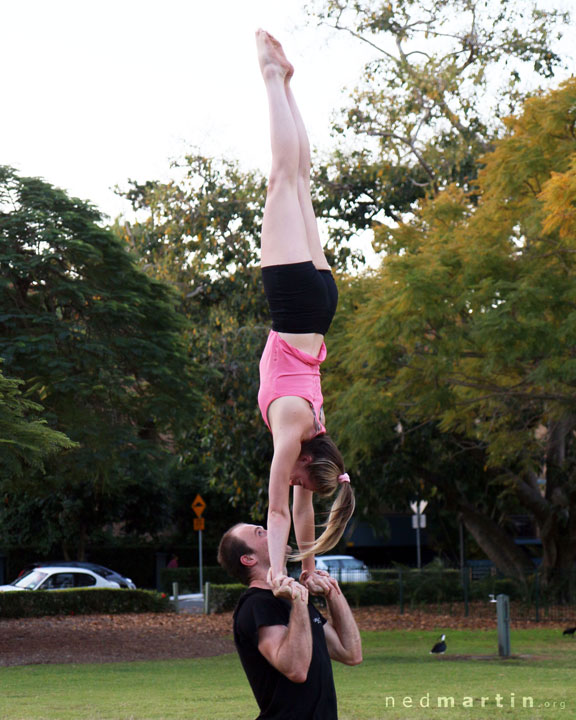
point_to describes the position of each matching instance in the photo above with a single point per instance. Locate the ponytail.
(326, 470)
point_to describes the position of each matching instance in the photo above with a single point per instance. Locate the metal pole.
(207, 599)
(466, 579)
(461, 528)
(175, 596)
(200, 560)
(419, 561)
(503, 611)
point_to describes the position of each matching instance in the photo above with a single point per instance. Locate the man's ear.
(306, 459)
(248, 560)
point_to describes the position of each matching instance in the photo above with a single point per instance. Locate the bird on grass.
(569, 631)
(440, 646)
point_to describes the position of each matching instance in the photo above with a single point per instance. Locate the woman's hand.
(286, 587)
(319, 582)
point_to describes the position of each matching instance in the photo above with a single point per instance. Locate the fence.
(442, 590)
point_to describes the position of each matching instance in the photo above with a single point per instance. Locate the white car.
(344, 568)
(58, 578)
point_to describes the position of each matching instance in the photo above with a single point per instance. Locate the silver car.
(58, 578)
(344, 568)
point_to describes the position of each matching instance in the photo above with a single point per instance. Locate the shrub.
(25, 603)
(223, 598)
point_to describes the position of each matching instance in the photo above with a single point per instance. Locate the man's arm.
(289, 649)
(342, 635)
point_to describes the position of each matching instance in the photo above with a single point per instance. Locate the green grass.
(397, 671)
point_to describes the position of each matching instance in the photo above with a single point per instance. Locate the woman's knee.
(281, 179)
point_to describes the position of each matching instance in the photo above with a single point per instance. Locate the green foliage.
(201, 234)
(468, 330)
(25, 438)
(80, 602)
(97, 343)
(223, 598)
(432, 99)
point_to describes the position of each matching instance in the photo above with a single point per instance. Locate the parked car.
(104, 572)
(58, 578)
(344, 568)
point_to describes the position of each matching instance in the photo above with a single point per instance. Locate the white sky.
(95, 93)
(98, 92)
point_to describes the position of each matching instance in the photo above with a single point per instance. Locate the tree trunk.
(558, 527)
(496, 543)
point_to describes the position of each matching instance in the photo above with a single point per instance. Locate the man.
(284, 643)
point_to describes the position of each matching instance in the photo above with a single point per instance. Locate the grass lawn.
(399, 679)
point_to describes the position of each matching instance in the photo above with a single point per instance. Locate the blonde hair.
(325, 471)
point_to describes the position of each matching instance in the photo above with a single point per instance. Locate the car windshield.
(31, 580)
(352, 564)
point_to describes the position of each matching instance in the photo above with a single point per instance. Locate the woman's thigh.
(284, 239)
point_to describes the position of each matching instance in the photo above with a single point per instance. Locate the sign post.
(418, 521)
(199, 506)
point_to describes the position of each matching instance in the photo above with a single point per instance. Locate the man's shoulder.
(256, 597)
(257, 607)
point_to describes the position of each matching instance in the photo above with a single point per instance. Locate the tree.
(98, 344)
(201, 234)
(26, 440)
(431, 102)
(469, 328)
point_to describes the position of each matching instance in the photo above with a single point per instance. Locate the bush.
(25, 603)
(223, 598)
(371, 593)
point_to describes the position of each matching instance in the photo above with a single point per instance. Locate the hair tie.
(344, 478)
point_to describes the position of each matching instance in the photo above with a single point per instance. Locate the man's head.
(243, 552)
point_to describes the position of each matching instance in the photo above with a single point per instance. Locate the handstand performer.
(302, 296)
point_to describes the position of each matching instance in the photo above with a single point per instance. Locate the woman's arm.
(303, 512)
(286, 451)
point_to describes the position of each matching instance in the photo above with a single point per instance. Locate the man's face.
(256, 537)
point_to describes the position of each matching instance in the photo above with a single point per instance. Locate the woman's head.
(325, 467)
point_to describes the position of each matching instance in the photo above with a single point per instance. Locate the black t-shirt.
(278, 698)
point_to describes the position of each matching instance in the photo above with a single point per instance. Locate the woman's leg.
(304, 198)
(284, 237)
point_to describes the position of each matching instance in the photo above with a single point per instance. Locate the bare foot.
(271, 55)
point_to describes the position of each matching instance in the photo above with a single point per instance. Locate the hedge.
(223, 598)
(26, 603)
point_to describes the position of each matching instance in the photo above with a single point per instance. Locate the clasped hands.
(317, 582)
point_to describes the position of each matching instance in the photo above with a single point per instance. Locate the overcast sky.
(95, 93)
(98, 92)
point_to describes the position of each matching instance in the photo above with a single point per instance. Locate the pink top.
(286, 370)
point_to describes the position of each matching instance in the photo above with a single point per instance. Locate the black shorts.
(301, 298)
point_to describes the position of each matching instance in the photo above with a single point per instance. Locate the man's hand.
(319, 582)
(287, 587)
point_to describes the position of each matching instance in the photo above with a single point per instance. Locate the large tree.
(98, 343)
(469, 328)
(431, 100)
(200, 232)
(26, 440)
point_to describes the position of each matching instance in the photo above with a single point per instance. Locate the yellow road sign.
(198, 523)
(198, 505)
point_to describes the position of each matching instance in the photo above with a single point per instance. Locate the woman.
(302, 296)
